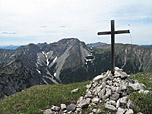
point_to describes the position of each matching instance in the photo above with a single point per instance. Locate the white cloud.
(50, 20)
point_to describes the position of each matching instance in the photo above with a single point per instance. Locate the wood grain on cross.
(113, 32)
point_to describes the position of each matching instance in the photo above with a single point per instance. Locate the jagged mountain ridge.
(39, 64)
(131, 58)
(65, 61)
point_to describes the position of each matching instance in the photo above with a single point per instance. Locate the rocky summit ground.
(107, 92)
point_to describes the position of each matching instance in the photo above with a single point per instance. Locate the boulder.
(94, 110)
(104, 97)
(130, 80)
(71, 107)
(111, 102)
(84, 103)
(48, 111)
(118, 69)
(110, 107)
(55, 108)
(109, 82)
(97, 78)
(124, 75)
(88, 86)
(98, 111)
(80, 99)
(95, 84)
(137, 86)
(63, 106)
(118, 103)
(108, 92)
(103, 84)
(144, 91)
(95, 100)
(130, 105)
(79, 109)
(88, 95)
(75, 90)
(129, 111)
(120, 111)
(124, 100)
(117, 74)
(65, 112)
(102, 93)
(140, 113)
(118, 80)
(123, 85)
(115, 96)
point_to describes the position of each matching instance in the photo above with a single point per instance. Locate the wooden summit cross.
(113, 32)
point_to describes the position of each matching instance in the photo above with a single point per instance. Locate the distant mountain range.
(97, 44)
(147, 45)
(66, 61)
(10, 47)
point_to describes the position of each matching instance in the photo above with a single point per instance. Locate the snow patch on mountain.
(55, 59)
(38, 71)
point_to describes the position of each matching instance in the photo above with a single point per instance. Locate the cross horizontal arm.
(116, 32)
(104, 33)
(122, 31)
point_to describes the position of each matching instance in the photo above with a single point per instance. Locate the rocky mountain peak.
(69, 40)
(40, 64)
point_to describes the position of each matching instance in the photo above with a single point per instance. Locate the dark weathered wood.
(104, 33)
(122, 31)
(116, 32)
(113, 32)
(112, 46)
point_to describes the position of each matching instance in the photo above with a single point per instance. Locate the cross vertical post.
(112, 46)
(113, 32)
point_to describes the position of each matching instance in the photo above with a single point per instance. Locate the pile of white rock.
(112, 91)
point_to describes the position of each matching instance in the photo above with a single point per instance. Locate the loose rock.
(110, 107)
(71, 107)
(95, 100)
(124, 100)
(84, 103)
(130, 111)
(55, 108)
(105, 88)
(130, 105)
(97, 78)
(63, 106)
(48, 111)
(114, 96)
(120, 111)
(75, 90)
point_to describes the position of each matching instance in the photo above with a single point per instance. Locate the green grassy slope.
(143, 102)
(36, 98)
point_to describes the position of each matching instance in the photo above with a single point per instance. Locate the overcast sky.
(35, 21)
